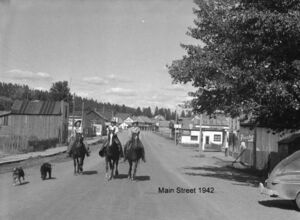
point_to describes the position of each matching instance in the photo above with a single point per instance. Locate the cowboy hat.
(113, 120)
(75, 124)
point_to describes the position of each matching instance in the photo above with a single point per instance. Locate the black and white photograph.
(149, 109)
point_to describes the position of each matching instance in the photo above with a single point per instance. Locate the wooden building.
(92, 122)
(264, 148)
(213, 131)
(34, 122)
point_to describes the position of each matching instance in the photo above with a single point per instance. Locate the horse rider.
(113, 127)
(135, 132)
(77, 131)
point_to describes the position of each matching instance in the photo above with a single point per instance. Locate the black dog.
(18, 173)
(46, 168)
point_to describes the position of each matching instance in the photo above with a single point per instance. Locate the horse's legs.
(106, 167)
(130, 167)
(77, 165)
(135, 168)
(81, 164)
(74, 160)
(111, 165)
(117, 171)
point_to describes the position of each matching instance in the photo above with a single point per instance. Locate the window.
(194, 138)
(217, 137)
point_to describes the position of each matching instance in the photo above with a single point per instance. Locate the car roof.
(288, 165)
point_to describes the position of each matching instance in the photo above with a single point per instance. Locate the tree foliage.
(248, 62)
(60, 91)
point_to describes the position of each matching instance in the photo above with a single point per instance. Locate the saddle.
(102, 151)
(78, 147)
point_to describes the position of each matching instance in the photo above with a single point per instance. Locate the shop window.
(217, 138)
(194, 138)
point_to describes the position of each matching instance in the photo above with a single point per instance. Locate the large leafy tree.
(60, 91)
(247, 62)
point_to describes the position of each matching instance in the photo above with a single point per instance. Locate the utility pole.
(175, 124)
(73, 112)
(200, 135)
(82, 114)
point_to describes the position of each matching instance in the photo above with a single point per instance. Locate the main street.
(233, 195)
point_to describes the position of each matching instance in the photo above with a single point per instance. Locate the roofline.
(98, 113)
(5, 114)
(37, 114)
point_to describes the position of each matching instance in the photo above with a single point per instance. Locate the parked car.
(284, 180)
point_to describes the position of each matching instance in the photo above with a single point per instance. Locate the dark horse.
(78, 153)
(112, 155)
(133, 153)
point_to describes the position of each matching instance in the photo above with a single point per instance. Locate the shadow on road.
(279, 203)
(223, 173)
(142, 178)
(121, 176)
(52, 178)
(23, 183)
(89, 172)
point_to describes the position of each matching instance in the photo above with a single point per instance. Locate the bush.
(39, 145)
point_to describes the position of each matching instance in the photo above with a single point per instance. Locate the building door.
(206, 139)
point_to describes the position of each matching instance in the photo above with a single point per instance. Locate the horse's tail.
(102, 151)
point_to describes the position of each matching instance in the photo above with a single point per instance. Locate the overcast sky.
(110, 50)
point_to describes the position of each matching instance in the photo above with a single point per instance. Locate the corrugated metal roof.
(101, 115)
(289, 139)
(36, 107)
(187, 123)
(164, 123)
(145, 119)
(220, 120)
(122, 116)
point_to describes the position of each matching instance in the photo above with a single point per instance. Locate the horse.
(78, 153)
(112, 155)
(133, 153)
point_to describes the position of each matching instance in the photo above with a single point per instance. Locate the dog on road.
(46, 168)
(18, 174)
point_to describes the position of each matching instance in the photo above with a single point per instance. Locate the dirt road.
(174, 183)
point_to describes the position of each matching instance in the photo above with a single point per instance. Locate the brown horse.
(112, 155)
(78, 153)
(134, 151)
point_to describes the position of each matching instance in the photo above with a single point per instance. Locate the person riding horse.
(76, 137)
(114, 128)
(135, 133)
